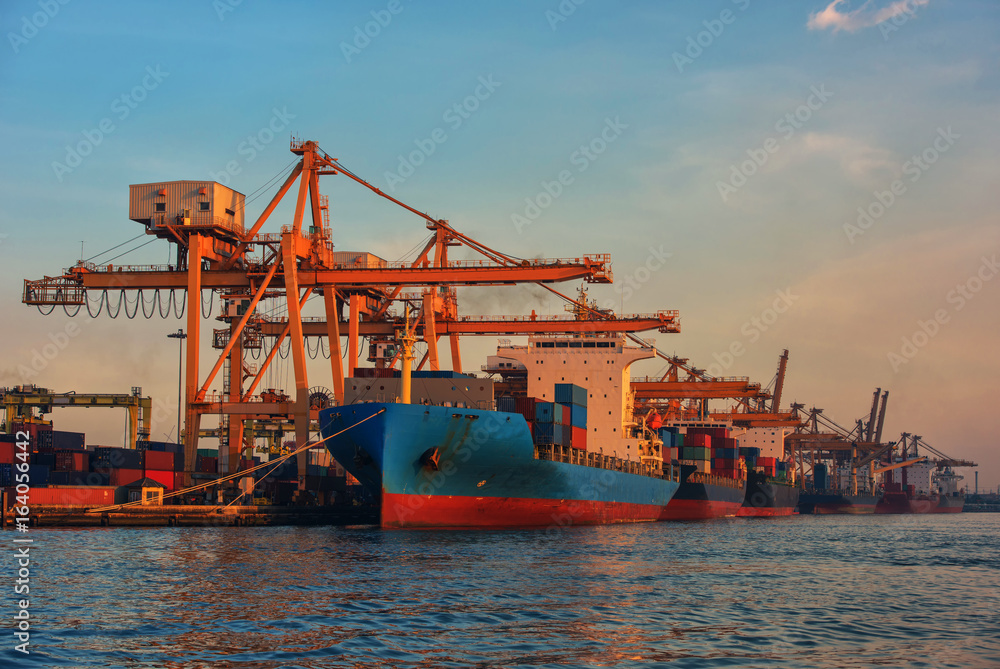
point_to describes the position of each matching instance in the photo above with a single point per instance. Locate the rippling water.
(828, 591)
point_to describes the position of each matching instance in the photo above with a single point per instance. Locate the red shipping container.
(69, 495)
(166, 478)
(209, 465)
(578, 439)
(120, 477)
(159, 461)
(526, 407)
(178, 480)
(7, 452)
(698, 441)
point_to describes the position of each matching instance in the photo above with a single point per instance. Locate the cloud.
(862, 163)
(865, 16)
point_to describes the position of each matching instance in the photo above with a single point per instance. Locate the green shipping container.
(692, 453)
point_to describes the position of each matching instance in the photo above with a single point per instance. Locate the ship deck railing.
(577, 456)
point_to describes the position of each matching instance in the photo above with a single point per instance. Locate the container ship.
(446, 453)
(821, 500)
(932, 491)
(771, 489)
(712, 477)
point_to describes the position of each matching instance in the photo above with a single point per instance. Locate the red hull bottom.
(764, 512)
(699, 509)
(423, 511)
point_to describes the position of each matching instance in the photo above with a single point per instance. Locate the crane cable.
(241, 474)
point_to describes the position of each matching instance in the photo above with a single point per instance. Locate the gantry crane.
(21, 403)
(216, 252)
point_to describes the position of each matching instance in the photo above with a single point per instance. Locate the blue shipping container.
(544, 412)
(568, 393)
(578, 416)
(545, 433)
(506, 404)
(39, 474)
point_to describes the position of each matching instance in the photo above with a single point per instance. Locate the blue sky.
(694, 90)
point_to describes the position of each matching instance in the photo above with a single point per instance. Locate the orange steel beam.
(274, 350)
(456, 354)
(333, 336)
(235, 389)
(510, 325)
(430, 331)
(454, 274)
(696, 389)
(192, 420)
(300, 412)
(354, 320)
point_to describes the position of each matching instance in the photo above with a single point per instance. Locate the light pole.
(180, 337)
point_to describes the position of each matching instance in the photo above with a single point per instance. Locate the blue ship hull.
(438, 466)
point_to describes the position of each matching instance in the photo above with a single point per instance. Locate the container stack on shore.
(65, 471)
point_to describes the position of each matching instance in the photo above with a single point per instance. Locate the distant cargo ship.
(768, 496)
(439, 462)
(905, 498)
(712, 480)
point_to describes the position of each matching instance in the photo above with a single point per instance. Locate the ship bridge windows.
(562, 344)
(547, 344)
(203, 206)
(590, 344)
(576, 344)
(161, 206)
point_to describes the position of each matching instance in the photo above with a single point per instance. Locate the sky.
(814, 176)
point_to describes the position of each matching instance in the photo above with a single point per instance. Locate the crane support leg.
(300, 412)
(333, 336)
(456, 354)
(235, 391)
(133, 426)
(430, 331)
(192, 419)
(352, 334)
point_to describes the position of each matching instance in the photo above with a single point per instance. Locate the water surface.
(824, 591)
